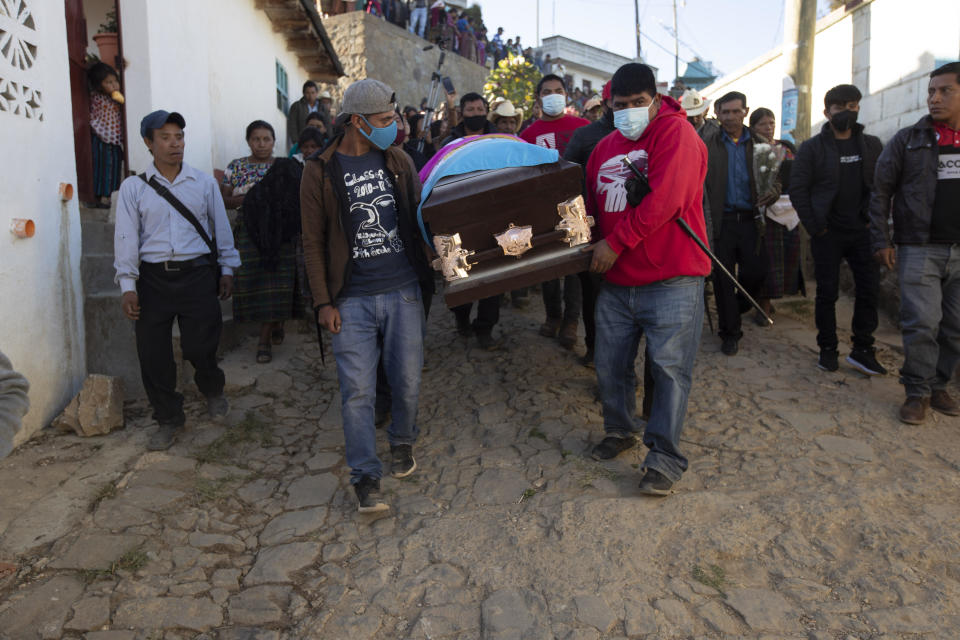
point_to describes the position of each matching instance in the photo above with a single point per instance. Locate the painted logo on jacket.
(613, 175)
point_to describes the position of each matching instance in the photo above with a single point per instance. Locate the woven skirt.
(107, 166)
(259, 294)
(783, 254)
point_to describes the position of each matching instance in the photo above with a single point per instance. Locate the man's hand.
(226, 287)
(329, 318)
(130, 303)
(887, 257)
(603, 256)
(768, 198)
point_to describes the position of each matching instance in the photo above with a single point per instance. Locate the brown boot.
(568, 335)
(942, 402)
(550, 328)
(914, 410)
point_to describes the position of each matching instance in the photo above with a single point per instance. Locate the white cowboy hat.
(693, 103)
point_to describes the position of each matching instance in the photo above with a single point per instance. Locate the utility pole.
(636, 19)
(538, 24)
(799, 32)
(676, 46)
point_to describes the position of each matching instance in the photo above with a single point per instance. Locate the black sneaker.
(828, 360)
(587, 359)
(217, 406)
(464, 328)
(655, 483)
(402, 463)
(368, 495)
(165, 436)
(486, 342)
(730, 346)
(865, 361)
(612, 446)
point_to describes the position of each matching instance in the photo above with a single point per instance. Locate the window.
(283, 95)
(587, 87)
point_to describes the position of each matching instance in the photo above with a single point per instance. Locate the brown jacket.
(326, 219)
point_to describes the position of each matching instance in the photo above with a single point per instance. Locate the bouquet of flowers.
(767, 159)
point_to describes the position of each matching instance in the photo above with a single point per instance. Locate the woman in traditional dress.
(784, 277)
(265, 286)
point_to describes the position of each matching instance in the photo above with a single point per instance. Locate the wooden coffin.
(480, 205)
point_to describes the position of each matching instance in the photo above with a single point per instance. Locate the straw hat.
(506, 110)
(693, 103)
(592, 103)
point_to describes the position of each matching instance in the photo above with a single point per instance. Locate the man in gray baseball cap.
(369, 276)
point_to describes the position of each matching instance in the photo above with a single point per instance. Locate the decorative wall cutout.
(19, 99)
(18, 54)
(18, 34)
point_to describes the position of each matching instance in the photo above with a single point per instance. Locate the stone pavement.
(808, 512)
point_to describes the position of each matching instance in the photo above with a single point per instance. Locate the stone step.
(97, 237)
(97, 272)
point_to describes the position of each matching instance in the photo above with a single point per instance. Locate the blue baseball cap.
(159, 118)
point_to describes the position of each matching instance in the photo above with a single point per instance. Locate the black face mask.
(843, 120)
(474, 123)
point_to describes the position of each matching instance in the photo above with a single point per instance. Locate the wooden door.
(77, 51)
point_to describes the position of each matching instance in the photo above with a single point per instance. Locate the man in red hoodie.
(653, 272)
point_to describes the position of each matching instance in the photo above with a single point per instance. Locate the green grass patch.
(536, 433)
(252, 429)
(105, 492)
(713, 576)
(132, 560)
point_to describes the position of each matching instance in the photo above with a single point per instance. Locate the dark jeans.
(190, 296)
(561, 299)
(929, 315)
(488, 313)
(589, 286)
(737, 250)
(829, 251)
(670, 314)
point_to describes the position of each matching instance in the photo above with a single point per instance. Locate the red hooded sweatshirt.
(650, 244)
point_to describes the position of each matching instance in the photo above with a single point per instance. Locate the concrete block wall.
(369, 47)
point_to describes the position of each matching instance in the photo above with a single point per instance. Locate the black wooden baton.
(690, 232)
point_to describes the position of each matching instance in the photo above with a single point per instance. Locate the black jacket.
(460, 131)
(906, 174)
(586, 138)
(715, 187)
(815, 177)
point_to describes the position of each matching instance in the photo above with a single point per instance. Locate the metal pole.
(800, 20)
(676, 46)
(538, 24)
(636, 19)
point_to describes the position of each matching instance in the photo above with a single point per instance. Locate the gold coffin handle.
(574, 221)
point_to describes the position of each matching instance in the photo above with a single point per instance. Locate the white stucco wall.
(41, 319)
(219, 78)
(886, 47)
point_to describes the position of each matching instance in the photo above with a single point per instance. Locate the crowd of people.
(333, 230)
(456, 30)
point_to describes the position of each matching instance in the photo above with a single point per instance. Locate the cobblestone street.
(809, 511)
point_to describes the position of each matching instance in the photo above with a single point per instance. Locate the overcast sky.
(728, 33)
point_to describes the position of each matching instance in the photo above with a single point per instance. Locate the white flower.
(763, 169)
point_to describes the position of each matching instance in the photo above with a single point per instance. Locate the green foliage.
(515, 79)
(713, 576)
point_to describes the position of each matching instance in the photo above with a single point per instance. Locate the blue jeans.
(929, 315)
(393, 323)
(418, 21)
(670, 313)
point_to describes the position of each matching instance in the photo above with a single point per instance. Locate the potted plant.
(107, 39)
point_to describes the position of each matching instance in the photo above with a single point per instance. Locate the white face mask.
(553, 104)
(632, 122)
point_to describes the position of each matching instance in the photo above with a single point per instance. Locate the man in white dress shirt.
(167, 270)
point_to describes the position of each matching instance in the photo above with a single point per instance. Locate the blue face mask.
(380, 137)
(631, 122)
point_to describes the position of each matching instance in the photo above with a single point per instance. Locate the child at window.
(105, 131)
